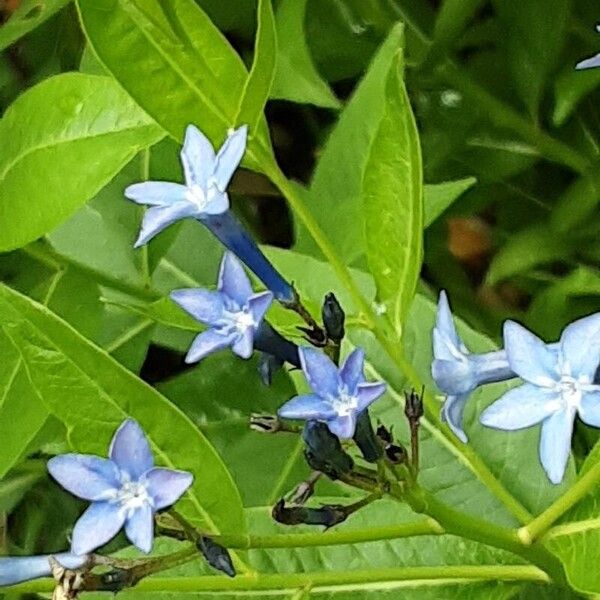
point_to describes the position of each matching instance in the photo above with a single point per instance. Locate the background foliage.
(96, 94)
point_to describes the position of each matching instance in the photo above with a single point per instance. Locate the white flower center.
(239, 321)
(344, 404)
(132, 495)
(570, 391)
(196, 195)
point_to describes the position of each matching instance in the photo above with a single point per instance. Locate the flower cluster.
(558, 382)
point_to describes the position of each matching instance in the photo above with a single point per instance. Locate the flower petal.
(243, 346)
(444, 324)
(96, 526)
(206, 343)
(520, 407)
(139, 528)
(351, 372)
(88, 477)
(229, 157)
(158, 218)
(233, 281)
(130, 450)
(589, 63)
(166, 486)
(307, 406)
(197, 158)
(452, 414)
(204, 305)
(156, 193)
(528, 356)
(259, 304)
(580, 346)
(343, 427)
(320, 372)
(368, 392)
(218, 203)
(555, 443)
(589, 408)
(15, 569)
(454, 376)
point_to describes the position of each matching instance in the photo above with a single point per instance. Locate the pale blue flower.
(558, 386)
(338, 397)
(125, 490)
(590, 63)
(233, 312)
(15, 569)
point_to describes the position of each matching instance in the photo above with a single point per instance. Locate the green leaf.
(577, 203)
(570, 87)
(392, 201)
(149, 46)
(334, 197)
(439, 196)
(18, 482)
(92, 394)
(67, 125)
(296, 77)
(260, 79)
(452, 19)
(28, 15)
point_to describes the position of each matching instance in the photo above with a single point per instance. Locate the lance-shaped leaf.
(392, 201)
(64, 140)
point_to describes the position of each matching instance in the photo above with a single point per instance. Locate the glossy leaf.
(438, 197)
(55, 129)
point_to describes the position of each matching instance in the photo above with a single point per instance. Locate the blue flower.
(15, 569)
(125, 490)
(204, 197)
(592, 62)
(233, 312)
(558, 386)
(456, 371)
(339, 395)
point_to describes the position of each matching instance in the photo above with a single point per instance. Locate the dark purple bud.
(365, 438)
(324, 451)
(216, 556)
(333, 318)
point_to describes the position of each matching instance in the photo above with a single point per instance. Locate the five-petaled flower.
(233, 312)
(125, 489)
(338, 397)
(590, 63)
(558, 386)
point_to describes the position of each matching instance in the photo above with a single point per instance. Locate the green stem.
(440, 575)
(545, 520)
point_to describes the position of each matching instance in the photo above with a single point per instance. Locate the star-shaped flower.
(338, 397)
(125, 490)
(558, 386)
(233, 313)
(590, 63)
(15, 569)
(207, 176)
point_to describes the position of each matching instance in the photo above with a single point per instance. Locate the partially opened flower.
(338, 397)
(233, 312)
(204, 197)
(590, 63)
(558, 386)
(125, 490)
(15, 569)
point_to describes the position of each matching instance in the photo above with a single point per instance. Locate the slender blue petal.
(490, 367)
(528, 356)
(589, 63)
(454, 376)
(233, 280)
(321, 373)
(444, 323)
(166, 486)
(218, 203)
(15, 569)
(259, 305)
(206, 343)
(130, 450)
(197, 158)
(98, 525)
(580, 346)
(87, 477)
(139, 528)
(555, 443)
(452, 414)
(204, 305)
(343, 427)
(229, 157)
(307, 406)
(351, 372)
(243, 346)
(156, 193)
(367, 393)
(520, 407)
(158, 218)
(589, 408)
